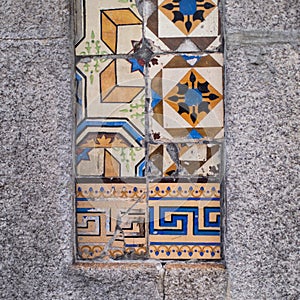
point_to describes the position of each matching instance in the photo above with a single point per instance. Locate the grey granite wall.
(262, 153)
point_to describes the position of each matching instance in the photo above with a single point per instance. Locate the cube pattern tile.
(149, 129)
(106, 27)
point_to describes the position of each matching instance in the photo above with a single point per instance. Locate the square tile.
(187, 98)
(110, 118)
(104, 86)
(184, 160)
(106, 27)
(111, 220)
(184, 25)
(184, 221)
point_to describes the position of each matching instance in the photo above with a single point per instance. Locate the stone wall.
(262, 169)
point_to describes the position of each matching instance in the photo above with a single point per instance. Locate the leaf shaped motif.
(208, 5)
(203, 87)
(178, 16)
(174, 98)
(198, 15)
(169, 6)
(212, 97)
(182, 88)
(188, 25)
(203, 106)
(192, 77)
(183, 108)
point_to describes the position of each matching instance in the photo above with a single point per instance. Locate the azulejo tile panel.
(185, 25)
(149, 129)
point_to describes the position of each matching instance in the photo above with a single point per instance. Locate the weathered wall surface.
(36, 183)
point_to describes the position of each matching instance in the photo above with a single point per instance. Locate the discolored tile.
(111, 220)
(184, 221)
(184, 160)
(187, 98)
(106, 27)
(110, 119)
(185, 25)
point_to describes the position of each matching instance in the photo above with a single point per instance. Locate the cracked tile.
(111, 220)
(110, 118)
(184, 160)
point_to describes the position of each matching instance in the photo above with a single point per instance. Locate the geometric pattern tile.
(185, 25)
(187, 97)
(149, 129)
(184, 221)
(184, 160)
(110, 220)
(111, 122)
(106, 27)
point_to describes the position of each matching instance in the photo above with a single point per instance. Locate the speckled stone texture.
(37, 186)
(195, 281)
(36, 175)
(34, 19)
(262, 15)
(263, 171)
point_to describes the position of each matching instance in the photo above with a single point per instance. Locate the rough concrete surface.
(36, 175)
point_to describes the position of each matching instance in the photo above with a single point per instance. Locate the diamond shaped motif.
(193, 97)
(187, 14)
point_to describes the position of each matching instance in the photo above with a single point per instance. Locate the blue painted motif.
(175, 219)
(135, 66)
(193, 97)
(91, 123)
(84, 155)
(155, 99)
(188, 7)
(194, 134)
(207, 211)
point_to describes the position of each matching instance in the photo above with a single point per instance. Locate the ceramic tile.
(184, 160)
(139, 162)
(107, 27)
(110, 118)
(185, 25)
(107, 87)
(187, 98)
(184, 221)
(111, 220)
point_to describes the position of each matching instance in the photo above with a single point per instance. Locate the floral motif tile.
(187, 97)
(184, 160)
(184, 221)
(107, 27)
(185, 25)
(111, 220)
